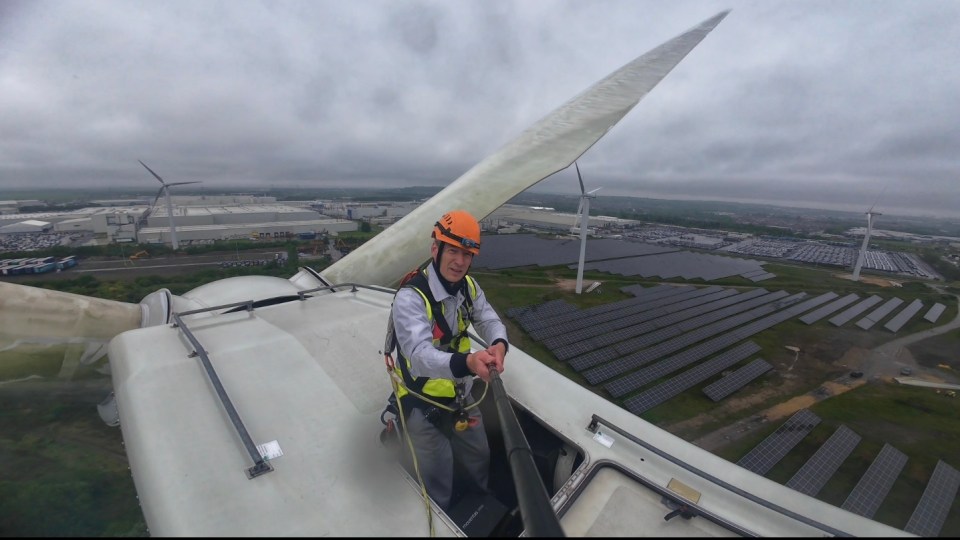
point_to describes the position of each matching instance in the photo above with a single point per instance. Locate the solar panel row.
(934, 506)
(656, 395)
(737, 380)
(876, 482)
(772, 449)
(845, 316)
(900, 319)
(935, 312)
(874, 316)
(815, 473)
(762, 277)
(816, 315)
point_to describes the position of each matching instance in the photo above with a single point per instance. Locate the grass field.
(65, 472)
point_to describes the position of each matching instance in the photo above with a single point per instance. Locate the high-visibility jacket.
(444, 338)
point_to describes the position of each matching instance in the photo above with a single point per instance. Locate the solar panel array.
(512, 250)
(635, 343)
(682, 264)
(656, 395)
(845, 316)
(935, 312)
(874, 316)
(633, 381)
(816, 315)
(900, 319)
(874, 485)
(606, 323)
(690, 332)
(609, 335)
(772, 449)
(934, 506)
(815, 473)
(737, 380)
(530, 315)
(614, 311)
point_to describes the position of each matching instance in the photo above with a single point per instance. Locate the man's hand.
(477, 363)
(498, 351)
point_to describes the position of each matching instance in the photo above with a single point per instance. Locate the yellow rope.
(413, 454)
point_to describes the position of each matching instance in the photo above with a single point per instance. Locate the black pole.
(539, 519)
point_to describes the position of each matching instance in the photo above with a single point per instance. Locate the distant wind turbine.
(165, 190)
(584, 216)
(866, 237)
(866, 241)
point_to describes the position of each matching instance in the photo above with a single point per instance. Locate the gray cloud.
(813, 102)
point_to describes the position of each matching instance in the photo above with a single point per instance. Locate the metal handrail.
(260, 465)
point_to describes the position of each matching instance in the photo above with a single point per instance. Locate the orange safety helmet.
(458, 228)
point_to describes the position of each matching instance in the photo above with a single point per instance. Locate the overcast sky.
(838, 104)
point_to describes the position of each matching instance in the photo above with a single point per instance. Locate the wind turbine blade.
(155, 175)
(160, 192)
(594, 192)
(32, 317)
(882, 191)
(580, 178)
(184, 183)
(576, 217)
(550, 145)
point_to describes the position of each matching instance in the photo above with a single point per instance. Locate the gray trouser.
(436, 454)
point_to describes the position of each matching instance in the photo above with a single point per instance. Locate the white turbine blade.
(594, 192)
(155, 175)
(32, 317)
(550, 145)
(184, 183)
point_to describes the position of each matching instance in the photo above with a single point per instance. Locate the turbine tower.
(584, 215)
(165, 190)
(866, 240)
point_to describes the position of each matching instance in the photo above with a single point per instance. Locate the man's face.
(454, 262)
